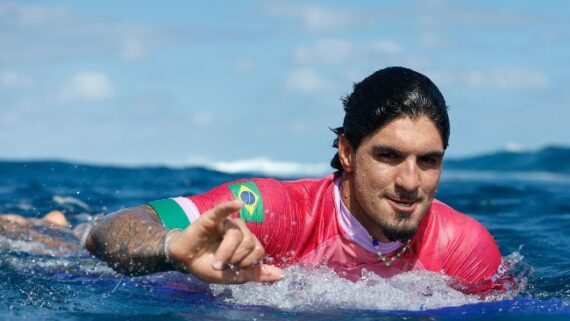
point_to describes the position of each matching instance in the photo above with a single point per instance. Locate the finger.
(256, 273)
(247, 245)
(253, 257)
(211, 221)
(245, 248)
(264, 273)
(233, 237)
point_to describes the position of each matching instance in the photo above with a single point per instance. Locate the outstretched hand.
(218, 249)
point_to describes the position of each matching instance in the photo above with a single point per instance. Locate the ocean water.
(528, 214)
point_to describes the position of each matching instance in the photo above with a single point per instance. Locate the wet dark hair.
(386, 95)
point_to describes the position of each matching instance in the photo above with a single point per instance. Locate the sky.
(259, 83)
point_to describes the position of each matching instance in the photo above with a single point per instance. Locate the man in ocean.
(376, 213)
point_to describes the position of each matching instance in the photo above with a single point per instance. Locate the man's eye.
(388, 156)
(430, 160)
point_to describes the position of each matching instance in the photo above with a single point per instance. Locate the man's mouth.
(403, 205)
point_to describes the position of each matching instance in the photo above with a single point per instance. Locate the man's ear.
(345, 154)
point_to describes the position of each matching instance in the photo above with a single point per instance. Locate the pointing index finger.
(218, 214)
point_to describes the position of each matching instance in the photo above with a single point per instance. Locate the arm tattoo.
(131, 241)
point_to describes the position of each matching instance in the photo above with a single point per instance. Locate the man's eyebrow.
(386, 149)
(395, 150)
(436, 153)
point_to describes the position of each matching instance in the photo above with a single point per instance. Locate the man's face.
(391, 179)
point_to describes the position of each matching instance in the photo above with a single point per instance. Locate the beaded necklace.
(389, 260)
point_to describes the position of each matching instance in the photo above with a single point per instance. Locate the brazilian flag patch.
(249, 194)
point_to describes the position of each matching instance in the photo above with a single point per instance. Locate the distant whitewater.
(268, 167)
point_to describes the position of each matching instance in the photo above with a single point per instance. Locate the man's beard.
(398, 233)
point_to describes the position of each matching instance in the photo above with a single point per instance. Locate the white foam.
(266, 166)
(68, 200)
(320, 289)
(53, 263)
(26, 246)
(25, 205)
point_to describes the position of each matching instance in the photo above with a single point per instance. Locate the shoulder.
(271, 192)
(303, 183)
(274, 187)
(472, 251)
(309, 185)
(453, 218)
(457, 225)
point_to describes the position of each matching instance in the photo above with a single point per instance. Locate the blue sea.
(528, 214)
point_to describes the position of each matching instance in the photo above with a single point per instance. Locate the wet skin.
(390, 180)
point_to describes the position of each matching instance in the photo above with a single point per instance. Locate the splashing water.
(305, 289)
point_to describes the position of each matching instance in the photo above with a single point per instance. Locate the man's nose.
(408, 178)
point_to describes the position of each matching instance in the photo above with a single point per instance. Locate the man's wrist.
(166, 248)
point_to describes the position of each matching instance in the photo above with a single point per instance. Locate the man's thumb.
(263, 273)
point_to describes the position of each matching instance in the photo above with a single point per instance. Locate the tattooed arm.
(131, 241)
(214, 248)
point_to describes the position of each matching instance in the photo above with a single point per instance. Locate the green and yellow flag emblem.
(249, 194)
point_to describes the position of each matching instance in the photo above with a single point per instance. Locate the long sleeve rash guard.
(305, 222)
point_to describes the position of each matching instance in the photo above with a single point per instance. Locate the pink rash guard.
(305, 222)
